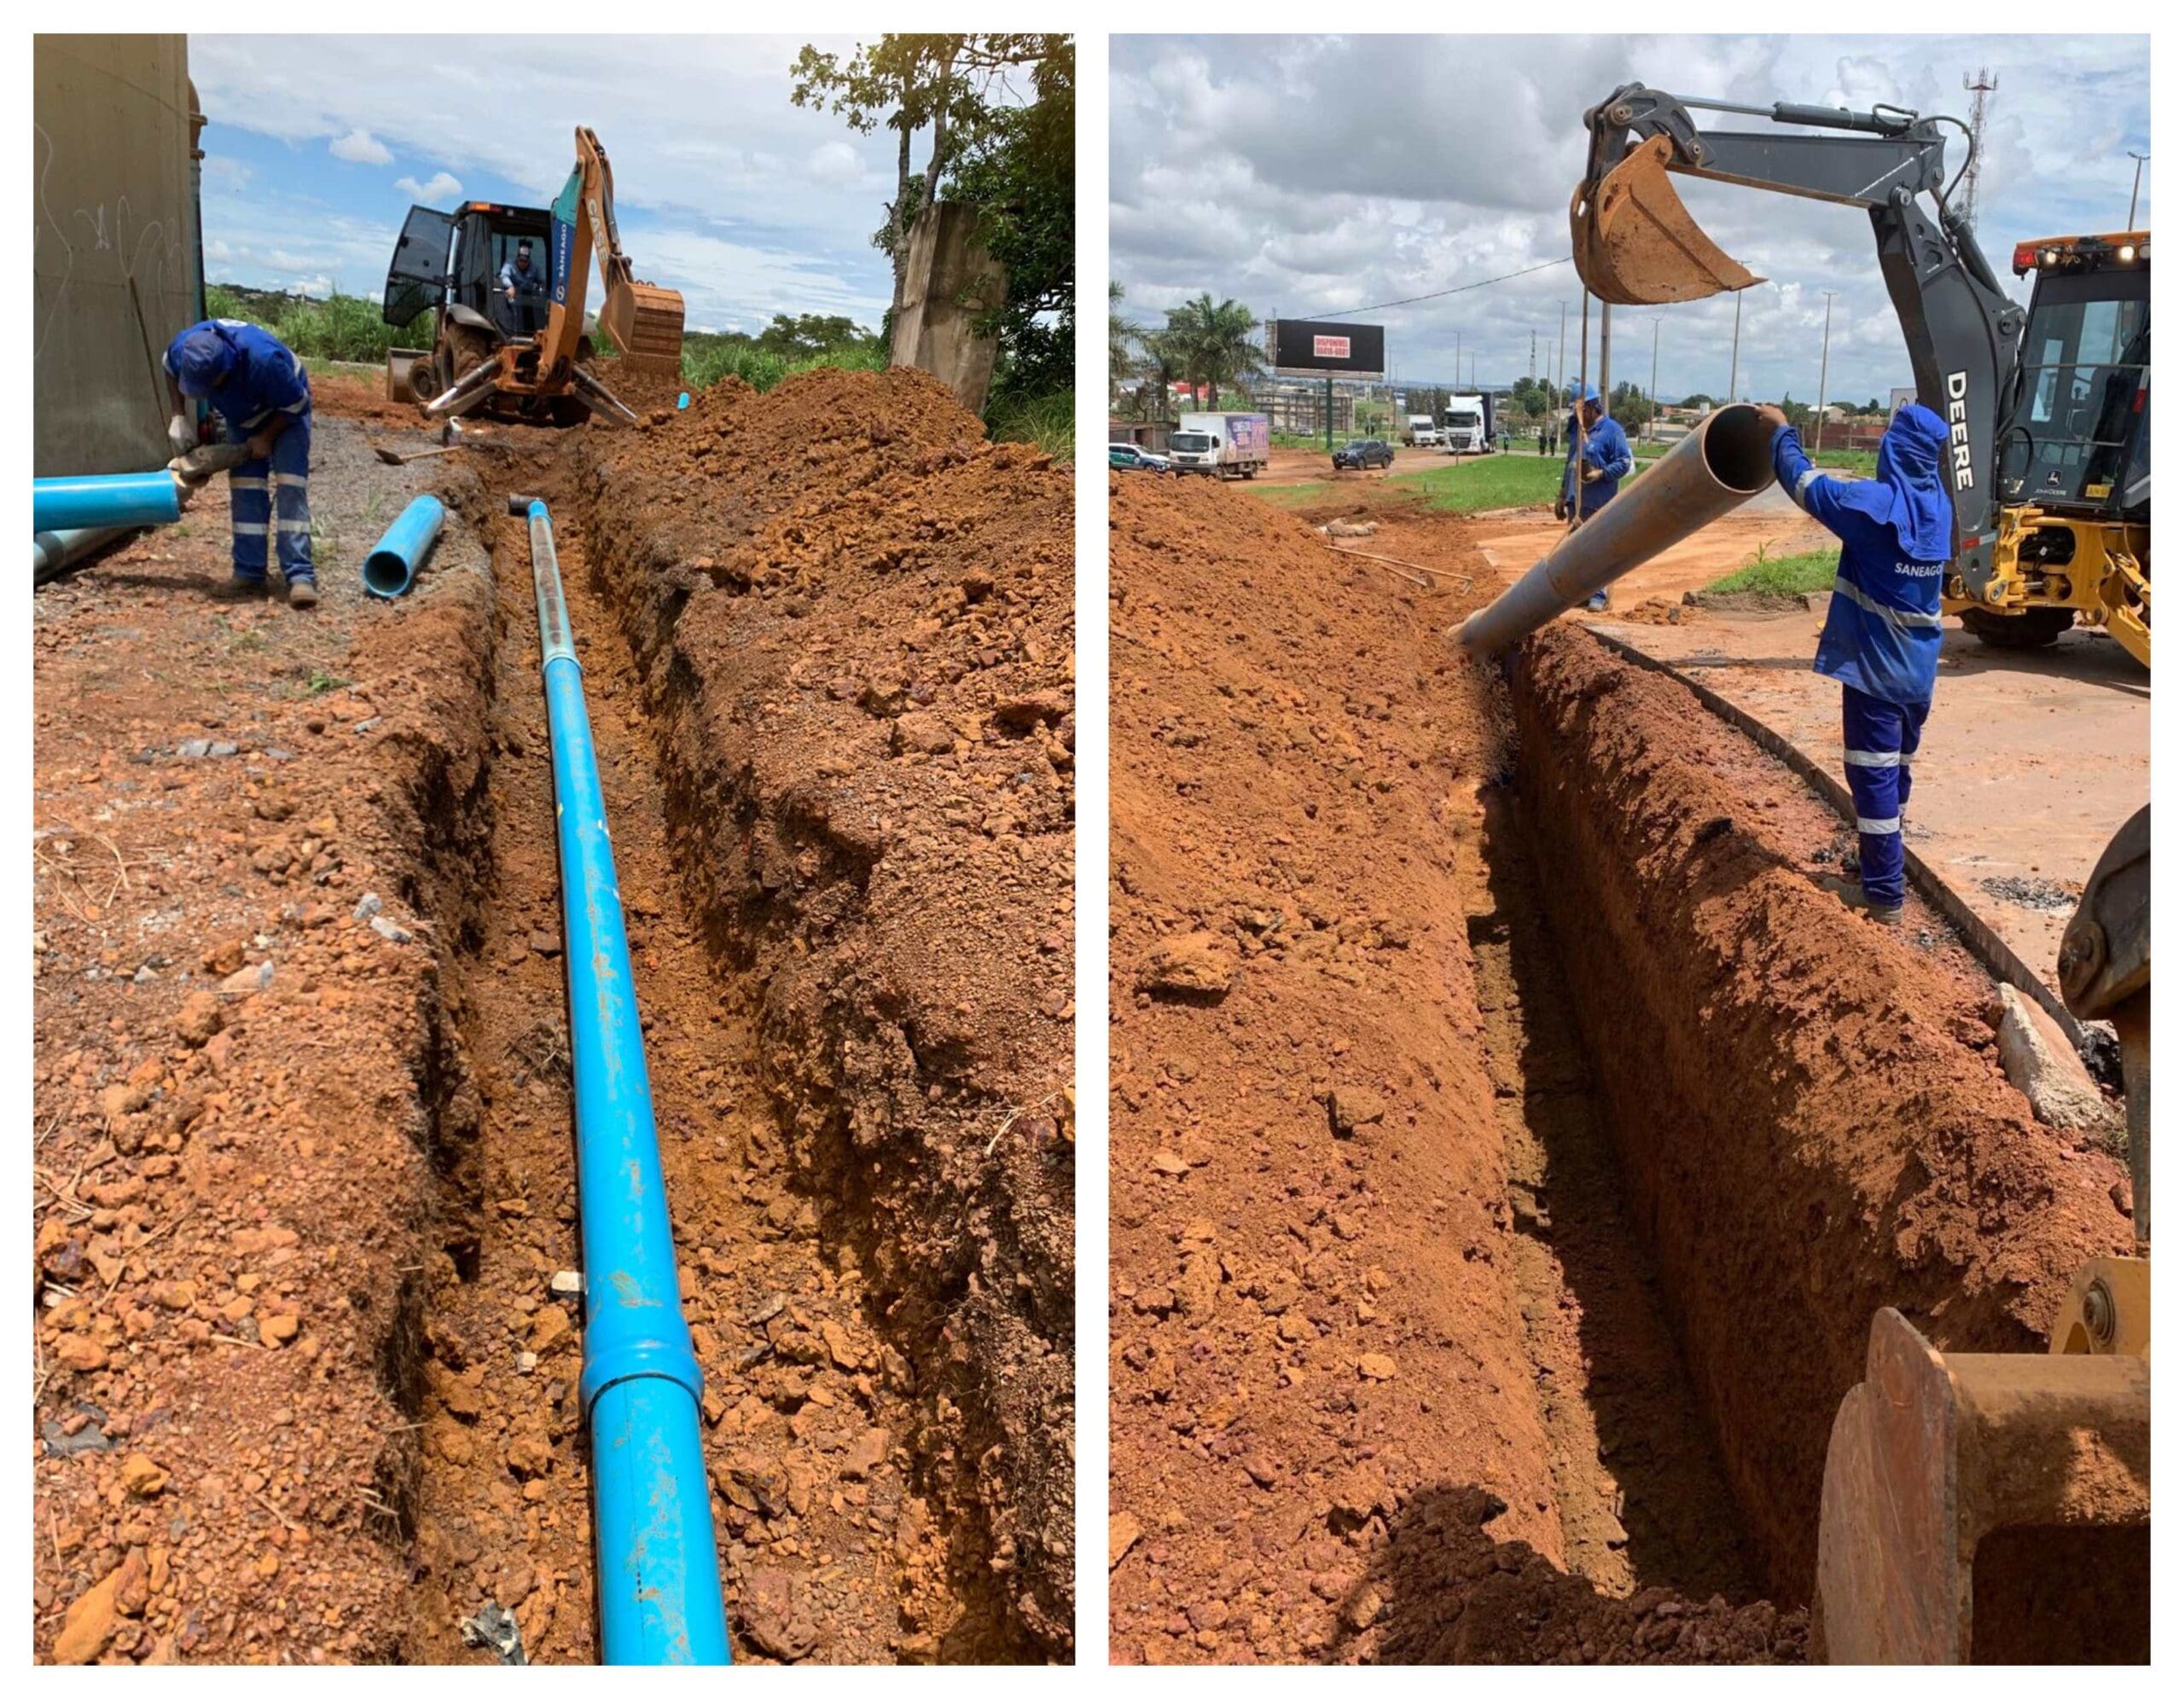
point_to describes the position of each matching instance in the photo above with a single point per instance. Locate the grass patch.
(1048, 421)
(1473, 486)
(706, 360)
(1785, 575)
(339, 328)
(1862, 461)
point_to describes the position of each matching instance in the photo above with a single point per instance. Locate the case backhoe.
(488, 353)
(2047, 410)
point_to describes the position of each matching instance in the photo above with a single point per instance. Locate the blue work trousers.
(271, 498)
(1878, 740)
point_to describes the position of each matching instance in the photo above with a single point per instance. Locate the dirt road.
(2029, 762)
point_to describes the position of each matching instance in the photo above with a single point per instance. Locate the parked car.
(1129, 457)
(1370, 451)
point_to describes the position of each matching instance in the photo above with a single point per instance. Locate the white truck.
(1468, 425)
(1220, 444)
(1420, 432)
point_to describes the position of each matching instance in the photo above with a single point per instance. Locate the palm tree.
(1215, 345)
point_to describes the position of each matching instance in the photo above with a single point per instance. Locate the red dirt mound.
(853, 619)
(1814, 1121)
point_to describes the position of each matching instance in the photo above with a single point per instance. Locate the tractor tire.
(2035, 627)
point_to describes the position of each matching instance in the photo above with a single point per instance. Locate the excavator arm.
(1634, 244)
(644, 321)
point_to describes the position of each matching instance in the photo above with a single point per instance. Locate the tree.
(1700, 402)
(1871, 406)
(1627, 405)
(1215, 345)
(809, 334)
(942, 86)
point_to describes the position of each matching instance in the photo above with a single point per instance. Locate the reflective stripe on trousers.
(273, 497)
(1878, 740)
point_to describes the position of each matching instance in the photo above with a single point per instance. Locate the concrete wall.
(115, 253)
(949, 283)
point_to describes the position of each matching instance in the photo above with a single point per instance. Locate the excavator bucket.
(1987, 1508)
(1636, 245)
(645, 321)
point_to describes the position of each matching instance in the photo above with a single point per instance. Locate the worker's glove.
(1592, 474)
(181, 434)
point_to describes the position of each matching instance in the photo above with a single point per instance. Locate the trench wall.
(1808, 1114)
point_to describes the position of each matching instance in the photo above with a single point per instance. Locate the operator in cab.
(1592, 473)
(258, 389)
(523, 286)
(1882, 640)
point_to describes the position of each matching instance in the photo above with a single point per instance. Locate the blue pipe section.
(96, 503)
(392, 566)
(660, 1593)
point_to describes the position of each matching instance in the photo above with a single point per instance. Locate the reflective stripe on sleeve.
(1804, 483)
(1880, 828)
(1901, 617)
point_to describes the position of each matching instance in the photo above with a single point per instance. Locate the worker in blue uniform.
(1882, 640)
(523, 286)
(258, 389)
(1589, 483)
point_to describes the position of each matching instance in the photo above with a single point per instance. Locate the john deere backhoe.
(1975, 1508)
(485, 355)
(2048, 410)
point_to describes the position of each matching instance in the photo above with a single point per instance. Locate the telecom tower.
(1980, 87)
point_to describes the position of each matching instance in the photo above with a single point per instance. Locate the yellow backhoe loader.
(2048, 409)
(1974, 1508)
(517, 353)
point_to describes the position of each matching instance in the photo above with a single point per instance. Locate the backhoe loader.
(1974, 1508)
(485, 355)
(2048, 410)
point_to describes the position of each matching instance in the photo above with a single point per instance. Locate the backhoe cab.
(2047, 410)
(520, 359)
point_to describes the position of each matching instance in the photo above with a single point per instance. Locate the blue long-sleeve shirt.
(266, 378)
(1607, 448)
(1883, 633)
(527, 281)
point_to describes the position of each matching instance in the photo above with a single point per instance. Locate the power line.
(1460, 288)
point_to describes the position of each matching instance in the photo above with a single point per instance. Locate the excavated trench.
(1651, 1130)
(847, 1533)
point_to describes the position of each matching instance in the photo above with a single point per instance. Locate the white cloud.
(834, 163)
(707, 148)
(221, 170)
(360, 148)
(437, 190)
(1395, 188)
(320, 286)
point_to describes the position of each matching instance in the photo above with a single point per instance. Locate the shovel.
(394, 459)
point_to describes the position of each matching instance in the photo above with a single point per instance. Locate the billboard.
(1311, 348)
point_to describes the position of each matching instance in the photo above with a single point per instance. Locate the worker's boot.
(237, 588)
(303, 592)
(1853, 896)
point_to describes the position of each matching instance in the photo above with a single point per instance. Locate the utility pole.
(2132, 223)
(1736, 336)
(1531, 364)
(1562, 353)
(1980, 86)
(1820, 413)
(1653, 384)
(1607, 337)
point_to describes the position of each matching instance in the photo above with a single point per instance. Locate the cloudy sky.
(317, 146)
(1306, 175)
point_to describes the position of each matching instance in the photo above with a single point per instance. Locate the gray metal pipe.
(52, 552)
(465, 393)
(1721, 464)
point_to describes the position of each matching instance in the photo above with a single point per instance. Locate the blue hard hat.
(202, 357)
(1591, 393)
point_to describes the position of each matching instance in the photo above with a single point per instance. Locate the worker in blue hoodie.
(1882, 640)
(260, 391)
(1589, 483)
